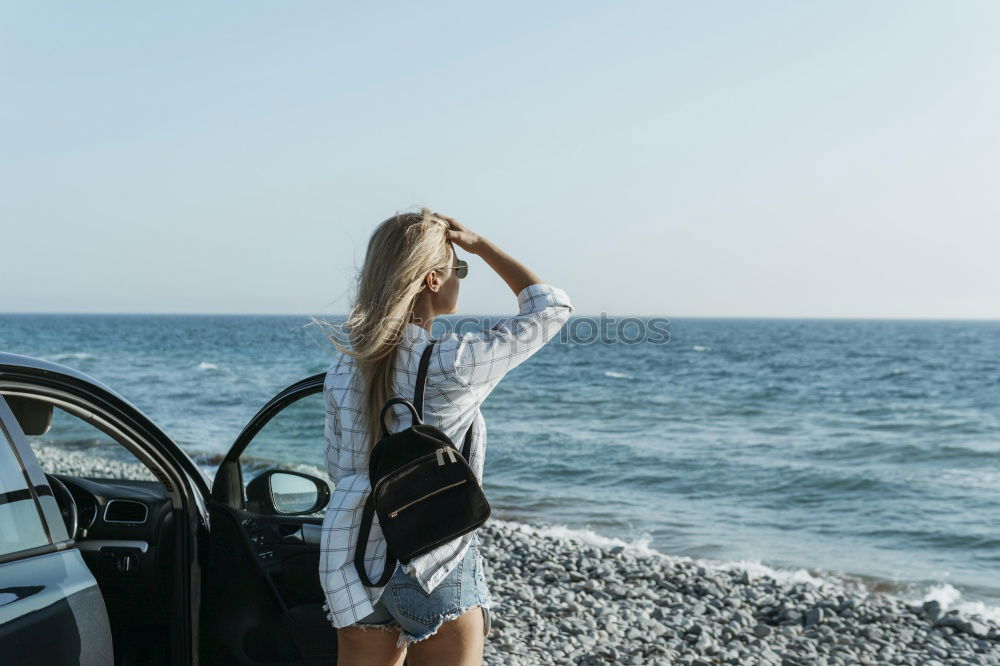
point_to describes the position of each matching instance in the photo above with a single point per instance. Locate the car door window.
(73, 446)
(20, 523)
(292, 440)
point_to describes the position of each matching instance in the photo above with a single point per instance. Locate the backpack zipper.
(393, 514)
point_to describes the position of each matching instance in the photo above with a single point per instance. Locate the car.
(174, 569)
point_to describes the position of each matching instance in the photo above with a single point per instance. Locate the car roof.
(34, 365)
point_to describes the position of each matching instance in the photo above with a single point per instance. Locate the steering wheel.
(67, 505)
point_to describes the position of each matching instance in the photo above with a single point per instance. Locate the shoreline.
(950, 596)
(559, 599)
(909, 591)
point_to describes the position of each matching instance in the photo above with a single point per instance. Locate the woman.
(426, 613)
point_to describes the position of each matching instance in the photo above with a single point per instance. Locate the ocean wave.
(209, 462)
(207, 458)
(907, 452)
(583, 535)
(938, 540)
(807, 483)
(204, 365)
(701, 348)
(72, 356)
(895, 372)
(968, 478)
(641, 546)
(616, 375)
(950, 598)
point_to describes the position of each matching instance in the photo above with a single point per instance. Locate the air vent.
(125, 511)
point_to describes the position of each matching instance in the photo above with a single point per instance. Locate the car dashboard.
(126, 537)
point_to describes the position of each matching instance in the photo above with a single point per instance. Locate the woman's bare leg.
(458, 642)
(368, 647)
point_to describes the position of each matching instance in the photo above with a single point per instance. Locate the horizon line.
(505, 315)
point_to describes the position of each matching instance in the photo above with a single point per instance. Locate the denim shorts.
(405, 606)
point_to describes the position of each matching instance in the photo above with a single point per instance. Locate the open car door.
(262, 595)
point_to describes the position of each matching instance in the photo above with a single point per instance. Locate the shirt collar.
(414, 332)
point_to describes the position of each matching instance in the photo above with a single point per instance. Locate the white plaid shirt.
(463, 370)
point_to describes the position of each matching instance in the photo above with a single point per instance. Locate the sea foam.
(71, 356)
(951, 599)
(641, 546)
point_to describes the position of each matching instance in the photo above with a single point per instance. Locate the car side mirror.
(277, 492)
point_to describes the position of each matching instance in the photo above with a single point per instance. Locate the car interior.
(124, 529)
(266, 525)
(269, 608)
(264, 609)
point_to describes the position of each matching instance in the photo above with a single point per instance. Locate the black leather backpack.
(423, 490)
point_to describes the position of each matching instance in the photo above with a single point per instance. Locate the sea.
(818, 449)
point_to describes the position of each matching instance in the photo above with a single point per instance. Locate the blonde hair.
(401, 251)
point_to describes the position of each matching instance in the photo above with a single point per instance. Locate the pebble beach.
(561, 600)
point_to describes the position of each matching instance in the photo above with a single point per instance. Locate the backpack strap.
(418, 395)
(396, 401)
(467, 445)
(367, 515)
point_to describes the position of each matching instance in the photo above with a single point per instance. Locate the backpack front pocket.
(394, 513)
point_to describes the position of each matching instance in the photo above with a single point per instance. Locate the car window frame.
(301, 389)
(34, 478)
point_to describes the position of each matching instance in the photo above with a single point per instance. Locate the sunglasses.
(461, 268)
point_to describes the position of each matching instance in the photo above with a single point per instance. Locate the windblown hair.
(401, 251)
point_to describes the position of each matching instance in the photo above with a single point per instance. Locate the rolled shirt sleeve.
(482, 358)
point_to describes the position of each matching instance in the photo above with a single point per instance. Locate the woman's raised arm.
(514, 273)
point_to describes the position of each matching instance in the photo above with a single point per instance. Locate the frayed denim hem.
(406, 638)
(388, 626)
(391, 625)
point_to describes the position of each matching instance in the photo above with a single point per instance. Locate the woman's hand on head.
(514, 273)
(460, 236)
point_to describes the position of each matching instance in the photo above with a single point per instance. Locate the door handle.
(295, 536)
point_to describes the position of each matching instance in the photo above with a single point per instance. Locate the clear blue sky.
(834, 159)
